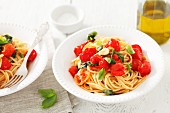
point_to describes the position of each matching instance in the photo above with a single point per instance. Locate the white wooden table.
(32, 13)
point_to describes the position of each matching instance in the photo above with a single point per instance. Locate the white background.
(32, 13)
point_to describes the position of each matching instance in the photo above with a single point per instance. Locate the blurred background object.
(154, 19)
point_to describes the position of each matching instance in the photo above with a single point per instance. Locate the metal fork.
(22, 71)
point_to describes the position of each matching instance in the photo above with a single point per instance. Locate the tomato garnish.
(32, 56)
(136, 46)
(113, 43)
(73, 70)
(8, 50)
(135, 64)
(137, 55)
(6, 65)
(95, 59)
(87, 54)
(144, 68)
(78, 49)
(104, 64)
(117, 69)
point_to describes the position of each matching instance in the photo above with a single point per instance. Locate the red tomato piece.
(95, 59)
(87, 54)
(136, 46)
(114, 43)
(104, 64)
(117, 69)
(73, 70)
(137, 55)
(8, 50)
(135, 64)
(145, 68)
(32, 56)
(6, 65)
(78, 49)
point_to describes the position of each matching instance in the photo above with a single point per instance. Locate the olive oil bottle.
(154, 19)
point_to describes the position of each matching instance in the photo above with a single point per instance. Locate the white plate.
(64, 54)
(37, 67)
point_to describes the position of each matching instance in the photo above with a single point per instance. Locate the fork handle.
(42, 31)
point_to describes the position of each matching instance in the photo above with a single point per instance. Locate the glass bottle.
(154, 19)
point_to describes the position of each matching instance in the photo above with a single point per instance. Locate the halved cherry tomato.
(116, 58)
(87, 54)
(137, 55)
(6, 65)
(95, 59)
(8, 50)
(136, 46)
(73, 70)
(135, 64)
(104, 64)
(32, 56)
(117, 69)
(144, 68)
(114, 43)
(78, 49)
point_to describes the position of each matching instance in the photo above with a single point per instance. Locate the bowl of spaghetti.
(108, 64)
(14, 44)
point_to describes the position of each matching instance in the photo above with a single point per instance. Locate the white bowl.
(73, 16)
(64, 54)
(36, 67)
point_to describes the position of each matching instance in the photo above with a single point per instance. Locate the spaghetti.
(12, 52)
(109, 65)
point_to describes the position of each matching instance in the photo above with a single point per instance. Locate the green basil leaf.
(8, 38)
(108, 60)
(129, 49)
(91, 36)
(113, 52)
(21, 55)
(108, 92)
(113, 61)
(46, 93)
(101, 74)
(120, 56)
(3, 40)
(129, 66)
(99, 48)
(48, 102)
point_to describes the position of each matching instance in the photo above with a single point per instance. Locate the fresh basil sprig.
(101, 74)
(50, 97)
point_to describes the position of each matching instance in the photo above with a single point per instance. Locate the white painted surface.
(97, 12)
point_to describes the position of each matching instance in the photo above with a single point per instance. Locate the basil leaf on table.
(101, 74)
(46, 93)
(50, 97)
(48, 102)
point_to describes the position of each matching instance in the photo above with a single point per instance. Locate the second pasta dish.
(109, 65)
